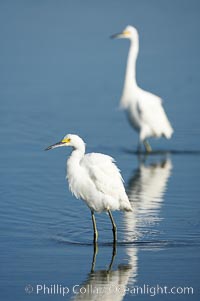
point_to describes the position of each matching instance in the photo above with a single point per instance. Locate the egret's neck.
(76, 156)
(74, 170)
(130, 77)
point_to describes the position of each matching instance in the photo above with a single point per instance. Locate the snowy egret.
(95, 179)
(144, 109)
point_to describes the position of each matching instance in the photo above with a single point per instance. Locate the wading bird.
(144, 109)
(95, 179)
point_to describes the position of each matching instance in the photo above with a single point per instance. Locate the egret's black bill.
(115, 36)
(60, 143)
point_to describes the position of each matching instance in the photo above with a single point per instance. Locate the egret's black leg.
(147, 146)
(114, 227)
(94, 227)
(94, 257)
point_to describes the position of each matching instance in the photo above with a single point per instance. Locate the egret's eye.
(66, 140)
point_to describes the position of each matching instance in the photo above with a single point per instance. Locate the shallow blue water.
(60, 73)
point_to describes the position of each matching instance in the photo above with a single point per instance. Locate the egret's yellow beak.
(124, 34)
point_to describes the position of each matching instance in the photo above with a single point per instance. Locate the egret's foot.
(147, 146)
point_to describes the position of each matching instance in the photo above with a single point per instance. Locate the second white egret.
(95, 179)
(144, 109)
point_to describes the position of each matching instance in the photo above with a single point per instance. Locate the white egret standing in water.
(95, 179)
(144, 109)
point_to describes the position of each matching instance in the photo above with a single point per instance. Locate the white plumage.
(95, 179)
(144, 109)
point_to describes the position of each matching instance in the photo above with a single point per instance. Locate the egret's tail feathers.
(126, 206)
(167, 134)
(129, 209)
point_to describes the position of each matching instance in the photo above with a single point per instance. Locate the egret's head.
(129, 32)
(69, 140)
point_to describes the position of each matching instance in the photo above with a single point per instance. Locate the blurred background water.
(61, 73)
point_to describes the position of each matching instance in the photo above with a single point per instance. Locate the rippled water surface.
(60, 73)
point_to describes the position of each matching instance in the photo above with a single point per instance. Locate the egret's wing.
(104, 173)
(153, 115)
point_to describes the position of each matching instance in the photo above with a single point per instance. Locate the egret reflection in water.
(105, 284)
(146, 189)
